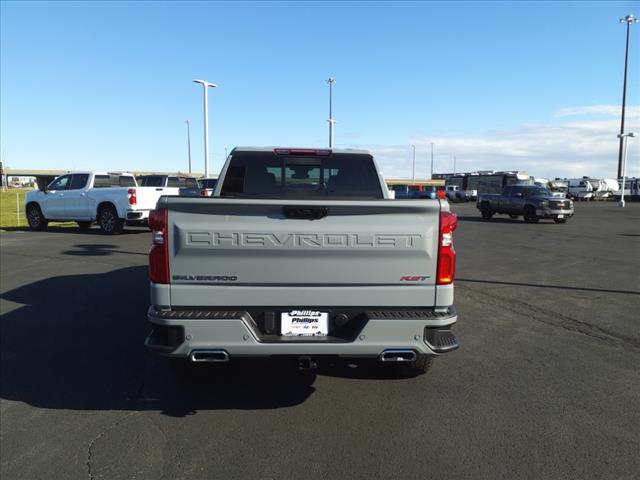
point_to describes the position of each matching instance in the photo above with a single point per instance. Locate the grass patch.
(12, 201)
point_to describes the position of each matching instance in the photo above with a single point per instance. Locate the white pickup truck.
(110, 199)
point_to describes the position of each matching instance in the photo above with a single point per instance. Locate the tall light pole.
(629, 19)
(624, 137)
(413, 176)
(454, 164)
(331, 121)
(188, 122)
(431, 176)
(206, 86)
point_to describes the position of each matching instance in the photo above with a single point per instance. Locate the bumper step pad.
(440, 340)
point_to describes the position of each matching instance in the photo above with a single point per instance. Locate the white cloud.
(609, 110)
(582, 146)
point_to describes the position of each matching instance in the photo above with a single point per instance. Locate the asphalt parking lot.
(545, 385)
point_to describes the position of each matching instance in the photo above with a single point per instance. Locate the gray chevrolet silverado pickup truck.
(530, 202)
(301, 253)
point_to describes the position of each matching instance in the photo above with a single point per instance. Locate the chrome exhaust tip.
(397, 355)
(209, 356)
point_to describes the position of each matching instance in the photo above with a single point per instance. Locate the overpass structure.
(21, 172)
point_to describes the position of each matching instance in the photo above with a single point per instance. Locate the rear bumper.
(137, 215)
(179, 333)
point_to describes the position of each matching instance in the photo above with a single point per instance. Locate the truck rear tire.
(36, 218)
(109, 222)
(422, 364)
(530, 215)
(486, 212)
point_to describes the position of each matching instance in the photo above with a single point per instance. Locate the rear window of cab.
(267, 174)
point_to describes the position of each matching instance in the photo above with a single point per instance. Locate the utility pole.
(431, 176)
(206, 86)
(414, 165)
(188, 122)
(629, 19)
(331, 121)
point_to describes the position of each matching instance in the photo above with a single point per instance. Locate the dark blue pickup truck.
(530, 202)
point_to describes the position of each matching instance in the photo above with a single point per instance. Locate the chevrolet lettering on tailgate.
(304, 240)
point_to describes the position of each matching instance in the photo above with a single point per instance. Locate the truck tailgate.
(228, 252)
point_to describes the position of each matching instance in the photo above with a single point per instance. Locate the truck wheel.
(35, 218)
(530, 215)
(84, 225)
(422, 364)
(109, 222)
(486, 212)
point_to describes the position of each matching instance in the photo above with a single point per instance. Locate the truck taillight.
(446, 252)
(159, 252)
(133, 197)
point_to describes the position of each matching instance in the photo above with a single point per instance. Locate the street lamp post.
(431, 176)
(188, 122)
(624, 137)
(629, 19)
(331, 121)
(413, 176)
(206, 86)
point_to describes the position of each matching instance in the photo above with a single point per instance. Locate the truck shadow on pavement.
(472, 218)
(97, 250)
(76, 342)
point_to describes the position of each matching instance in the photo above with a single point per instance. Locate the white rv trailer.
(631, 189)
(555, 190)
(580, 188)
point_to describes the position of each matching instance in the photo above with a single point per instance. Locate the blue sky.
(534, 86)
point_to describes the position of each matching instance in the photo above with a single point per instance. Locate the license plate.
(304, 323)
(561, 216)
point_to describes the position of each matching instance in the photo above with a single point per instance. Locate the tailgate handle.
(308, 213)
